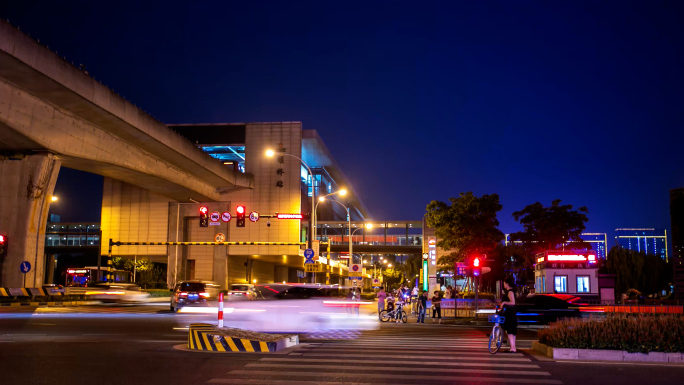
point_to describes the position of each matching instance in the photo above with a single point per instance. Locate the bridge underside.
(377, 249)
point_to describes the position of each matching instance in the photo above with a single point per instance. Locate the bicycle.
(397, 314)
(496, 337)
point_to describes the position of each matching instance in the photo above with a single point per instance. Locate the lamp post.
(342, 192)
(348, 221)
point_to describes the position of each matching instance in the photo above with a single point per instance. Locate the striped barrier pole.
(220, 311)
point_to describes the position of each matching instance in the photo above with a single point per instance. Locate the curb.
(605, 355)
(203, 337)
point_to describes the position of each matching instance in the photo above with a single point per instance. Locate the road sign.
(254, 216)
(316, 246)
(25, 267)
(376, 282)
(309, 255)
(460, 268)
(312, 268)
(425, 256)
(226, 216)
(355, 270)
(214, 217)
(356, 283)
(219, 237)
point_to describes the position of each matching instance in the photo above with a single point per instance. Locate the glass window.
(560, 284)
(583, 284)
(543, 290)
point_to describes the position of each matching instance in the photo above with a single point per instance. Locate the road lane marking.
(400, 369)
(422, 357)
(407, 377)
(282, 382)
(394, 362)
(390, 350)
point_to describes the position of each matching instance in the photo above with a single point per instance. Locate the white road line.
(409, 377)
(393, 350)
(281, 382)
(398, 369)
(394, 362)
(422, 357)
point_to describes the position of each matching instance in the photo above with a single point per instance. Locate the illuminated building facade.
(649, 241)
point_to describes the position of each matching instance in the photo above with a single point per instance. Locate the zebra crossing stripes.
(374, 361)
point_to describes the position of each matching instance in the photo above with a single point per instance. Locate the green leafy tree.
(647, 273)
(468, 225)
(510, 260)
(549, 228)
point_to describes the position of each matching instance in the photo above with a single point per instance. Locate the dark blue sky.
(535, 101)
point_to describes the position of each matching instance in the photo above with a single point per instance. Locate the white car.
(116, 292)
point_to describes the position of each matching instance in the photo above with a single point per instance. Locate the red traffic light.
(2, 239)
(476, 262)
(203, 209)
(240, 209)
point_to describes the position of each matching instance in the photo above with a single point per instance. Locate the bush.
(156, 293)
(633, 333)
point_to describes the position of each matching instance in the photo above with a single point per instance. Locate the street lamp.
(342, 192)
(54, 198)
(270, 153)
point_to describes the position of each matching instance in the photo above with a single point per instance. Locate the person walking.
(381, 300)
(414, 299)
(436, 307)
(510, 313)
(422, 305)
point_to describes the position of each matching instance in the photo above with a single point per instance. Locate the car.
(241, 292)
(193, 293)
(116, 292)
(294, 308)
(546, 308)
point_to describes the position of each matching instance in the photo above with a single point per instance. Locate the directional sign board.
(308, 255)
(25, 267)
(312, 268)
(316, 246)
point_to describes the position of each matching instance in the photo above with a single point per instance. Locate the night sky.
(534, 101)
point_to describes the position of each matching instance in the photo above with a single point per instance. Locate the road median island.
(208, 337)
(631, 338)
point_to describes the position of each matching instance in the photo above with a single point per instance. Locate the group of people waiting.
(387, 300)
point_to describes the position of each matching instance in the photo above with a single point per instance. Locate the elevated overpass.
(373, 237)
(53, 114)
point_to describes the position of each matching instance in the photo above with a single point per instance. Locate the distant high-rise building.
(649, 241)
(677, 223)
(598, 241)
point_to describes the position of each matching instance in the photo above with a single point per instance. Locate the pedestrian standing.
(422, 305)
(510, 324)
(381, 300)
(436, 307)
(448, 292)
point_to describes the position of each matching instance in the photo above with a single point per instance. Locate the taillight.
(204, 295)
(182, 294)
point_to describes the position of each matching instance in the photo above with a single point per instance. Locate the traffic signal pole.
(477, 280)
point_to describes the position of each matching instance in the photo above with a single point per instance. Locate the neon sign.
(290, 216)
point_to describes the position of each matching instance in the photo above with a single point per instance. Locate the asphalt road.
(135, 345)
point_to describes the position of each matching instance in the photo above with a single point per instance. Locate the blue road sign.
(309, 254)
(25, 267)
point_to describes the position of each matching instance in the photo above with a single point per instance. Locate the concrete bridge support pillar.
(27, 182)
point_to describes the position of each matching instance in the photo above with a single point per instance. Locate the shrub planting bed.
(632, 333)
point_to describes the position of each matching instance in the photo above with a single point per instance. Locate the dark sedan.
(546, 308)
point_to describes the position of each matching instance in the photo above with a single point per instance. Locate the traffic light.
(204, 216)
(240, 222)
(476, 266)
(3, 247)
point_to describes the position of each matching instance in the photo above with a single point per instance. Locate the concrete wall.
(27, 186)
(133, 214)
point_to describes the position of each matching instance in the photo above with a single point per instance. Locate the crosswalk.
(393, 357)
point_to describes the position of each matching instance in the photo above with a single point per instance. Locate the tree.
(510, 260)
(468, 226)
(548, 228)
(647, 273)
